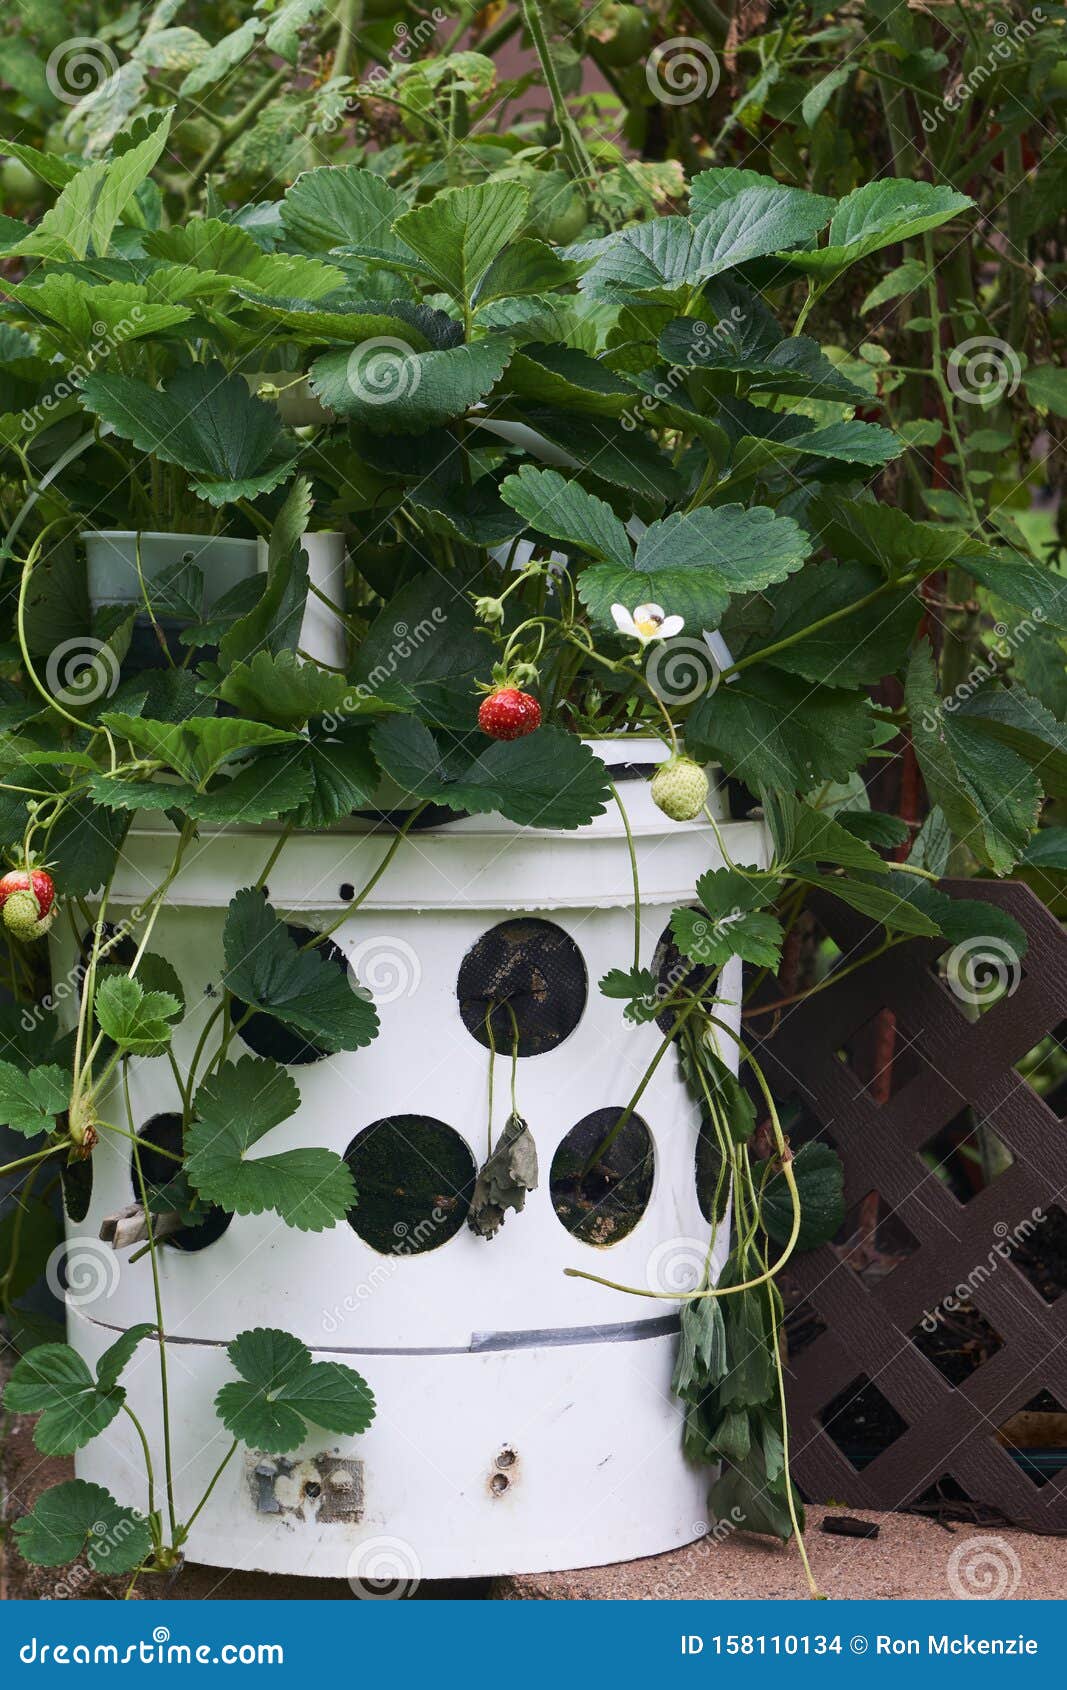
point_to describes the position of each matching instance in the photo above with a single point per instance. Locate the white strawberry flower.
(648, 622)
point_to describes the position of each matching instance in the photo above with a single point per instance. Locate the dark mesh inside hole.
(1035, 1437)
(414, 1182)
(166, 1177)
(268, 1036)
(673, 971)
(862, 1421)
(957, 1341)
(532, 969)
(78, 1188)
(604, 1204)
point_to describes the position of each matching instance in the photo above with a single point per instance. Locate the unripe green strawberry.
(680, 789)
(22, 916)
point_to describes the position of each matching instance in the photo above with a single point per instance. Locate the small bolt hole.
(312, 1489)
(506, 1458)
(347, 892)
(498, 1484)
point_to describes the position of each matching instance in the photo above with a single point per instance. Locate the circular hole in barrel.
(675, 974)
(600, 1190)
(414, 1180)
(268, 1036)
(528, 969)
(168, 1189)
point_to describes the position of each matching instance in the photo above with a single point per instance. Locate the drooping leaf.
(878, 214)
(267, 970)
(820, 1179)
(424, 653)
(774, 730)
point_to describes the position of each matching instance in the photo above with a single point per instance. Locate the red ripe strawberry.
(509, 714)
(35, 880)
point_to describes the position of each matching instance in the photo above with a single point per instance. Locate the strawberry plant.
(573, 466)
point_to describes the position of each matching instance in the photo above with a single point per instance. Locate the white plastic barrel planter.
(525, 1419)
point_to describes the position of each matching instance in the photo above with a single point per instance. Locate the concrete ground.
(911, 1557)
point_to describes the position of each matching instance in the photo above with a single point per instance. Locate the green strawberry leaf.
(309, 1189)
(135, 1019)
(54, 1382)
(76, 1515)
(282, 1392)
(267, 970)
(281, 689)
(385, 387)
(460, 232)
(30, 1102)
(820, 1179)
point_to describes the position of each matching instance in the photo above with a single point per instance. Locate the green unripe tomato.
(18, 184)
(622, 33)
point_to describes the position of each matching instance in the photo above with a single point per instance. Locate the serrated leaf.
(564, 510)
(549, 779)
(692, 562)
(269, 971)
(282, 1391)
(820, 1179)
(342, 770)
(135, 1019)
(876, 215)
(711, 940)
(76, 1515)
(460, 231)
(281, 689)
(30, 1101)
(231, 445)
(54, 1382)
(308, 1188)
(424, 653)
(988, 793)
(341, 207)
(387, 388)
(859, 649)
(772, 730)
